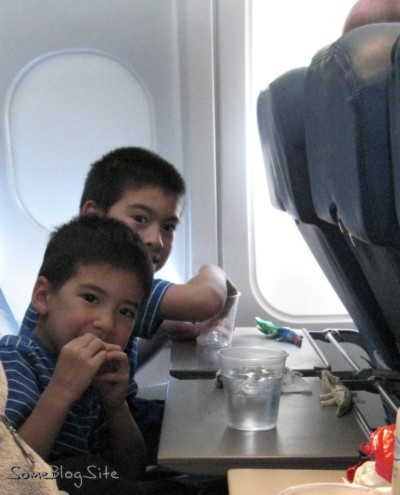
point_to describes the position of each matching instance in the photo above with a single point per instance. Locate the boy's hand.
(78, 363)
(230, 301)
(112, 379)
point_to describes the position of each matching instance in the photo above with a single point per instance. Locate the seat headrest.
(347, 133)
(267, 141)
(281, 128)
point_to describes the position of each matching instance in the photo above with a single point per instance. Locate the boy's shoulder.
(27, 347)
(24, 338)
(17, 341)
(30, 319)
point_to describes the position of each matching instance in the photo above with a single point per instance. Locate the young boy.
(68, 380)
(147, 193)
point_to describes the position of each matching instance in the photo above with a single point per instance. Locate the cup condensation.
(217, 332)
(252, 378)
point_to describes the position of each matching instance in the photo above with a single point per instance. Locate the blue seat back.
(347, 133)
(281, 112)
(347, 129)
(281, 130)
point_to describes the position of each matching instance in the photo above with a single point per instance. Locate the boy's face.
(97, 299)
(153, 214)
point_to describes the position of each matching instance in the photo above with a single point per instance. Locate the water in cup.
(253, 396)
(252, 378)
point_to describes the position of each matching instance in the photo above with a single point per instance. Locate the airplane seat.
(348, 150)
(394, 115)
(281, 132)
(280, 114)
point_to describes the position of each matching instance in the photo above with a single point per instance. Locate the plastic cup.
(252, 379)
(327, 489)
(217, 332)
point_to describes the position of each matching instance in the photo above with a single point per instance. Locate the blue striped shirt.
(29, 366)
(146, 325)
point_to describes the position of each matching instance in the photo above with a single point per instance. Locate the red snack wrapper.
(380, 448)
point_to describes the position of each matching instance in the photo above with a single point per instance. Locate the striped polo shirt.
(29, 366)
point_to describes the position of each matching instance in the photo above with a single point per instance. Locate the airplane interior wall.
(79, 79)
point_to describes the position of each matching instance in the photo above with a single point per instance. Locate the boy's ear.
(40, 295)
(91, 207)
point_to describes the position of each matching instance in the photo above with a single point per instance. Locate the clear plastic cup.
(252, 378)
(217, 332)
(327, 489)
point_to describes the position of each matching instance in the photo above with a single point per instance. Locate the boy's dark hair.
(129, 168)
(91, 239)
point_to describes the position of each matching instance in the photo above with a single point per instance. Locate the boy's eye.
(139, 218)
(170, 227)
(89, 297)
(128, 313)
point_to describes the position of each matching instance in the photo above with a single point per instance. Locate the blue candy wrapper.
(280, 334)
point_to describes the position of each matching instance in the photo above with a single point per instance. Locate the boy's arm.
(42, 427)
(128, 451)
(176, 330)
(199, 299)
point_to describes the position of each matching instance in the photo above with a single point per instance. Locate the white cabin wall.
(199, 106)
(143, 37)
(234, 217)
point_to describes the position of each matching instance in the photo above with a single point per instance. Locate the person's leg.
(148, 416)
(206, 485)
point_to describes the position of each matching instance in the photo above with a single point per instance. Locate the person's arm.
(42, 427)
(182, 305)
(128, 451)
(202, 297)
(175, 330)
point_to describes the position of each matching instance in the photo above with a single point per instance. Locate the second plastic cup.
(217, 332)
(252, 379)
(327, 489)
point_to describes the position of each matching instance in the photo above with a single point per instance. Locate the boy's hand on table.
(178, 330)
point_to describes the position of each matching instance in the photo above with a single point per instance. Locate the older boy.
(147, 193)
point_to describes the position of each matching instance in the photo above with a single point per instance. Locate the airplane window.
(286, 35)
(54, 102)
